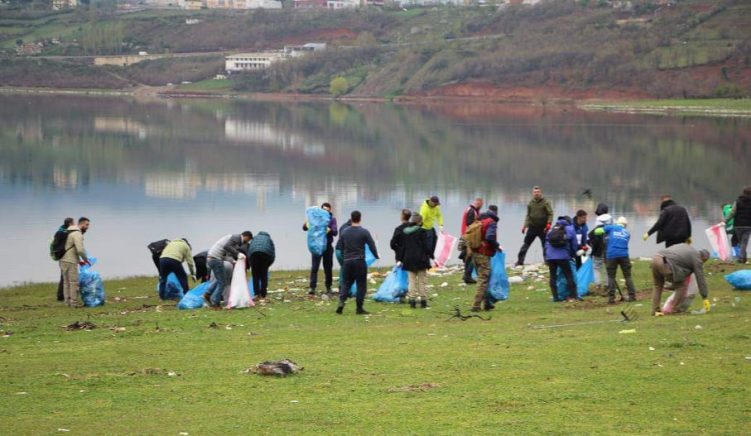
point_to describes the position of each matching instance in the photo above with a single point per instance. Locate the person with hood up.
(537, 222)
(261, 255)
(489, 234)
(741, 216)
(174, 254)
(397, 239)
(415, 257)
(431, 214)
(560, 248)
(673, 226)
(599, 245)
(617, 255)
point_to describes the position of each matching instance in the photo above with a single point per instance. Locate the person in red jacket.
(481, 256)
(470, 214)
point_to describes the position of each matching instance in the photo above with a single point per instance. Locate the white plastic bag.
(239, 296)
(718, 240)
(681, 303)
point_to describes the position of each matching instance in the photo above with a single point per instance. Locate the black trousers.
(167, 266)
(564, 264)
(259, 268)
(60, 295)
(155, 258)
(529, 238)
(432, 238)
(328, 264)
(354, 271)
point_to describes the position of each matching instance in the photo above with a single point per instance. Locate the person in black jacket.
(674, 226)
(741, 212)
(416, 255)
(397, 240)
(353, 241)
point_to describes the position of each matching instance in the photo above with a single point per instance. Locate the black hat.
(435, 199)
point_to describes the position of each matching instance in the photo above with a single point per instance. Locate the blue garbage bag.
(498, 285)
(91, 285)
(583, 277)
(194, 298)
(393, 287)
(369, 260)
(562, 283)
(318, 221)
(173, 290)
(740, 280)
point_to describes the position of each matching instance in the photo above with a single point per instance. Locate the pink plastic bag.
(718, 239)
(443, 248)
(681, 303)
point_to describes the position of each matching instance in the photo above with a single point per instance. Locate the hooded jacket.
(618, 238)
(226, 248)
(179, 250)
(74, 250)
(262, 243)
(489, 232)
(397, 240)
(599, 242)
(539, 213)
(415, 252)
(673, 225)
(561, 253)
(468, 217)
(582, 232)
(741, 212)
(430, 215)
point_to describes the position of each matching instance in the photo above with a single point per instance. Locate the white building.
(64, 4)
(252, 61)
(243, 4)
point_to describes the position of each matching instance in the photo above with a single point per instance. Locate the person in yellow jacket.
(171, 261)
(430, 211)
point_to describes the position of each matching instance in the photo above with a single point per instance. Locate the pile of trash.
(279, 368)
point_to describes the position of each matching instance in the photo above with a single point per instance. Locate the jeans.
(354, 271)
(60, 294)
(743, 234)
(598, 265)
(167, 266)
(529, 238)
(221, 280)
(259, 267)
(566, 267)
(328, 263)
(612, 266)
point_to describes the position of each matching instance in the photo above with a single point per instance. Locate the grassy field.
(208, 85)
(150, 369)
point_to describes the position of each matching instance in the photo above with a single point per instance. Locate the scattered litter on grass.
(444, 284)
(7, 334)
(682, 363)
(118, 329)
(183, 433)
(627, 331)
(22, 393)
(457, 313)
(294, 401)
(424, 387)
(651, 348)
(698, 327)
(172, 374)
(515, 279)
(281, 368)
(80, 325)
(64, 430)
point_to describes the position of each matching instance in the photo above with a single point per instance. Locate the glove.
(688, 241)
(440, 228)
(580, 253)
(547, 227)
(398, 264)
(645, 237)
(524, 230)
(707, 305)
(82, 263)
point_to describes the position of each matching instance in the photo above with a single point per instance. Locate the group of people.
(563, 241)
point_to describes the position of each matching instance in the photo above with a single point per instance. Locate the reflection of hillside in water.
(375, 151)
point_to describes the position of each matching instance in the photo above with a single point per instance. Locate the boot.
(340, 309)
(361, 311)
(424, 303)
(489, 307)
(412, 303)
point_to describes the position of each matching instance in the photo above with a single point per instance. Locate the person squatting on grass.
(470, 214)
(415, 259)
(174, 254)
(560, 248)
(75, 255)
(537, 222)
(617, 255)
(224, 250)
(675, 265)
(354, 270)
(261, 254)
(481, 257)
(327, 256)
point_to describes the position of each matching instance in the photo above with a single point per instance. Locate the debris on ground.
(424, 387)
(281, 368)
(457, 313)
(80, 325)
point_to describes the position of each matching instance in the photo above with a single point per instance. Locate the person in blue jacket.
(617, 255)
(581, 229)
(560, 247)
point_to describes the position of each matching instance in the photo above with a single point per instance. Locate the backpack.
(57, 246)
(557, 236)
(157, 247)
(473, 235)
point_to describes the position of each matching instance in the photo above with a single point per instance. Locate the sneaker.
(312, 292)
(361, 311)
(488, 307)
(340, 309)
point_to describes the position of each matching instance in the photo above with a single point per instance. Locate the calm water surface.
(203, 168)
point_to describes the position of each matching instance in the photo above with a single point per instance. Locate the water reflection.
(202, 168)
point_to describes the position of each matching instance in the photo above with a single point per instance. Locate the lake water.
(200, 169)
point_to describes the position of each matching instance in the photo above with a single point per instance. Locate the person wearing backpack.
(73, 255)
(617, 255)
(470, 215)
(536, 223)
(57, 250)
(156, 248)
(599, 246)
(171, 261)
(415, 258)
(560, 248)
(487, 247)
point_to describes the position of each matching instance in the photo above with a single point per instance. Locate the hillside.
(694, 48)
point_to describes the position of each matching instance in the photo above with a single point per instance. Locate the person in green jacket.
(537, 222)
(171, 261)
(430, 211)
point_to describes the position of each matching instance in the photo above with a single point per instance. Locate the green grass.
(363, 374)
(208, 85)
